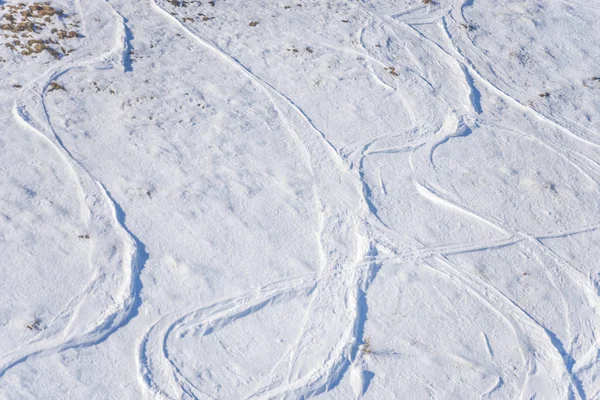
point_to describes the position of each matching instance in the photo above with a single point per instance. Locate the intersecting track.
(111, 297)
(353, 240)
(342, 270)
(558, 270)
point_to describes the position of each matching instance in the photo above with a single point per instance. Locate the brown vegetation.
(26, 27)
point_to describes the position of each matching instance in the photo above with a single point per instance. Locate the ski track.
(343, 271)
(154, 361)
(333, 214)
(115, 285)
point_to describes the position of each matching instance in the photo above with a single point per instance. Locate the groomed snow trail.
(352, 199)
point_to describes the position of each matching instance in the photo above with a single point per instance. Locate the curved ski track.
(161, 376)
(111, 297)
(117, 256)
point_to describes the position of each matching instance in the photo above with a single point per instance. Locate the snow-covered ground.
(266, 199)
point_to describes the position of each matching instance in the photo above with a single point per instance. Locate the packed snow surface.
(277, 199)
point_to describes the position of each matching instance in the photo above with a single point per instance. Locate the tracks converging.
(353, 238)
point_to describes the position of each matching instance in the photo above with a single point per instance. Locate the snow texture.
(260, 199)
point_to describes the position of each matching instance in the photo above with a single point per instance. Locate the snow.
(353, 199)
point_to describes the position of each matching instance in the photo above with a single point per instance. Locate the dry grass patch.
(37, 28)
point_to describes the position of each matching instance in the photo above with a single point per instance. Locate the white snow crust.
(288, 199)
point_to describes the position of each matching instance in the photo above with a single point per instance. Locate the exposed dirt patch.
(37, 28)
